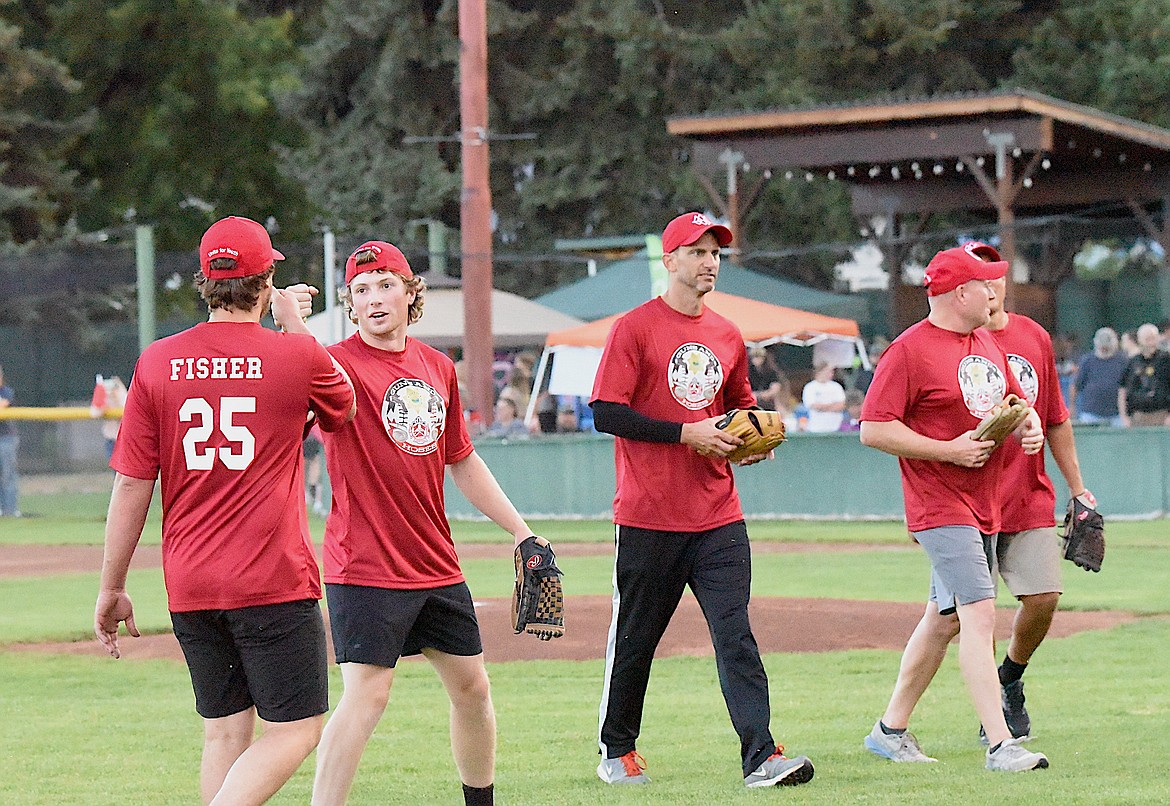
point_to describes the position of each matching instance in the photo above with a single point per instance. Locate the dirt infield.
(780, 624)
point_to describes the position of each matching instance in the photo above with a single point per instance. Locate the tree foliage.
(186, 122)
(1114, 56)
(37, 189)
(179, 111)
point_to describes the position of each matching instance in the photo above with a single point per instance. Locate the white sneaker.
(900, 747)
(1011, 756)
(627, 769)
(780, 769)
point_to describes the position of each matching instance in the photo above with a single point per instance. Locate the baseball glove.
(538, 600)
(760, 430)
(1083, 535)
(1004, 418)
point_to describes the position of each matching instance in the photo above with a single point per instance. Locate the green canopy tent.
(625, 284)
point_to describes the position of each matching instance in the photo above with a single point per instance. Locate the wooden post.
(476, 207)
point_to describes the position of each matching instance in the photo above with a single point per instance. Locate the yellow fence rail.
(58, 413)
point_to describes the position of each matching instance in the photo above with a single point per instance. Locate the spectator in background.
(314, 449)
(769, 383)
(1144, 395)
(862, 377)
(1065, 348)
(824, 398)
(567, 422)
(1164, 340)
(518, 387)
(8, 444)
(851, 421)
(1129, 345)
(1093, 394)
(546, 412)
(115, 399)
(507, 422)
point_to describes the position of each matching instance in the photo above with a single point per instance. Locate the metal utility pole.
(476, 207)
(144, 265)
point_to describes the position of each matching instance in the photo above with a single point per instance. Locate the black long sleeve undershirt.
(622, 421)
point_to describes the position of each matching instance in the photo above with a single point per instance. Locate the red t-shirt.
(220, 409)
(940, 384)
(388, 527)
(1029, 500)
(670, 366)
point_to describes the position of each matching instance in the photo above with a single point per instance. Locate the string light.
(1028, 182)
(979, 161)
(1121, 158)
(808, 177)
(788, 174)
(1016, 152)
(831, 175)
(1096, 152)
(895, 173)
(938, 169)
(1046, 163)
(874, 171)
(851, 170)
(960, 167)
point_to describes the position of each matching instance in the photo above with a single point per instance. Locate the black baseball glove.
(1083, 535)
(538, 600)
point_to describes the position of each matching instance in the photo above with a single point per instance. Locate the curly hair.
(238, 293)
(416, 284)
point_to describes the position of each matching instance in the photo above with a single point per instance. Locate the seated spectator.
(546, 412)
(852, 419)
(1144, 396)
(567, 420)
(1093, 394)
(824, 398)
(507, 421)
(769, 383)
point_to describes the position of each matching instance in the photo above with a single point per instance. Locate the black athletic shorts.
(379, 625)
(271, 656)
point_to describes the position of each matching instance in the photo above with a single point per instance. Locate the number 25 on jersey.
(236, 456)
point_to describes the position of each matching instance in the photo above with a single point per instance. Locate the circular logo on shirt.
(982, 383)
(414, 414)
(1026, 374)
(695, 376)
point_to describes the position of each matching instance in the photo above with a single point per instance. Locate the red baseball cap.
(688, 228)
(389, 258)
(950, 268)
(241, 239)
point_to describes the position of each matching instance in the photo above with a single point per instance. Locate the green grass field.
(82, 730)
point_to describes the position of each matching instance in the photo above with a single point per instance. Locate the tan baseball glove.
(760, 430)
(1004, 418)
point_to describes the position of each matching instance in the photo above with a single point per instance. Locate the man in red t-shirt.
(671, 368)
(1027, 552)
(934, 384)
(392, 575)
(218, 412)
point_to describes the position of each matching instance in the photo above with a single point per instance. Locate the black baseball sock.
(1010, 671)
(886, 729)
(479, 795)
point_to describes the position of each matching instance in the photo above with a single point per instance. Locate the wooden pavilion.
(1006, 153)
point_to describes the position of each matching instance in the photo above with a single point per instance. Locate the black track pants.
(651, 571)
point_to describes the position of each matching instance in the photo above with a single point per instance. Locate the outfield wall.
(813, 476)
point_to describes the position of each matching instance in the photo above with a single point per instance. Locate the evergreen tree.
(1110, 55)
(37, 190)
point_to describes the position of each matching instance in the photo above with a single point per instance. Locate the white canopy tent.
(516, 321)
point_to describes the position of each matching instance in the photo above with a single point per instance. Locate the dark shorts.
(270, 656)
(379, 625)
